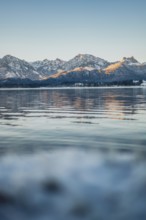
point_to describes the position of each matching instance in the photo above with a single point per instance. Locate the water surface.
(73, 153)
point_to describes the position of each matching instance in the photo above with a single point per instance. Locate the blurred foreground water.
(68, 154)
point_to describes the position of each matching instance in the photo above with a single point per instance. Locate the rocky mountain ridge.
(83, 68)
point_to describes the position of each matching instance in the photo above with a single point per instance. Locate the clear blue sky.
(39, 29)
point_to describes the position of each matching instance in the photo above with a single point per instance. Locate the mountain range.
(83, 69)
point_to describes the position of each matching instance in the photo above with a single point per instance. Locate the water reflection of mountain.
(123, 100)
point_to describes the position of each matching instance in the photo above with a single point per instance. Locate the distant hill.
(83, 69)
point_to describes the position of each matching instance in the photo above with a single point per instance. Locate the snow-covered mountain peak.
(86, 57)
(40, 63)
(81, 66)
(85, 60)
(59, 60)
(48, 67)
(13, 67)
(130, 60)
(45, 61)
(9, 58)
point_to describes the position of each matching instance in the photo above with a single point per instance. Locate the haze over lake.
(73, 153)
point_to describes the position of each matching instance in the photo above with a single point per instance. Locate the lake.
(73, 153)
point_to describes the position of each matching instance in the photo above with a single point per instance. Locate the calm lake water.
(73, 153)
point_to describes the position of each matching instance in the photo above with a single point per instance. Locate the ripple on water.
(68, 154)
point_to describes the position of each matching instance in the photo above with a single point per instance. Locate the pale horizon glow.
(49, 29)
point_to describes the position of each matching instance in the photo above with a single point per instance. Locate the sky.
(40, 29)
